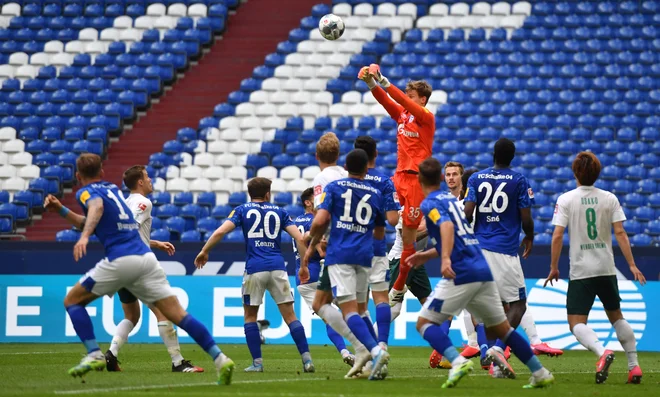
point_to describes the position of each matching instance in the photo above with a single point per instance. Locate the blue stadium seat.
(160, 234)
(68, 235)
(168, 210)
(640, 240)
(235, 236)
(176, 226)
(191, 236)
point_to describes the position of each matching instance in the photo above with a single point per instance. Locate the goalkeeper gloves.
(366, 77)
(374, 70)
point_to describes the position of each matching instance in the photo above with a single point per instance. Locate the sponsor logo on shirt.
(402, 131)
(411, 118)
(142, 206)
(556, 208)
(493, 176)
(318, 190)
(530, 192)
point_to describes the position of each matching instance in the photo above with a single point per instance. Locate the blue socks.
(383, 320)
(201, 335)
(336, 339)
(499, 343)
(298, 335)
(253, 339)
(83, 326)
(482, 340)
(440, 341)
(361, 330)
(520, 347)
(367, 320)
(445, 326)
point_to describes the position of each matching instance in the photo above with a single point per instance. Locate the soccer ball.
(331, 27)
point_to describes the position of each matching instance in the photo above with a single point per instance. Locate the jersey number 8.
(487, 206)
(258, 232)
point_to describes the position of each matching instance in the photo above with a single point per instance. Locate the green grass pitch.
(41, 370)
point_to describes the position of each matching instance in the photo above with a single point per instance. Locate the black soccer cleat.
(112, 364)
(186, 366)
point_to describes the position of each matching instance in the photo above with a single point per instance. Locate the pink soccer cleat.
(545, 349)
(635, 375)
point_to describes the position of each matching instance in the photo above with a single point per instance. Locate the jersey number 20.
(499, 202)
(257, 230)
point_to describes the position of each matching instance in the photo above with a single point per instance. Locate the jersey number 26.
(499, 202)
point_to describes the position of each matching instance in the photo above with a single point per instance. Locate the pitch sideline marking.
(247, 382)
(24, 353)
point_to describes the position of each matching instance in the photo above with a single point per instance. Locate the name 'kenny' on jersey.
(499, 195)
(262, 225)
(355, 207)
(467, 260)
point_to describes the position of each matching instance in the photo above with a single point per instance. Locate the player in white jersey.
(590, 214)
(138, 181)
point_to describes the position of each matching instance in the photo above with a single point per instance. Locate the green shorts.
(324, 281)
(418, 281)
(582, 293)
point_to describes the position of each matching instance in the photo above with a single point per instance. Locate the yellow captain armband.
(84, 196)
(434, 215)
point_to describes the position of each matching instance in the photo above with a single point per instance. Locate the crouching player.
(353, 209)
(129, 263)
(262, 224)
(307, 290)
(467, 283)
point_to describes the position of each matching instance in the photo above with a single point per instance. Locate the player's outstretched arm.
(392, 108)
(215, 238)
(447, 238)
(555, 252)
(624, 243)
(421, 113)
(417, 259)
(163, 246)
(52, 204)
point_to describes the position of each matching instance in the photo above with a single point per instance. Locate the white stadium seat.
(269, 172)
(377, 110)
(131, 35)
(216, 147)
(250, 122)
(337, 110)
(96, 47)
(229, 122)
(204, 159)
(314, 85)
(239, 147)
(156, 9)
(287, 110)
(144, 22)
(309, 173)
(191, 172)
(318, 59)
(165, 22)
(4, 157)
(301, 97)
(200, 147)
(122, 22)
(225, 160)
(54, 47)
(186, 160)
(521, 8)
(365, 9)
(306, 47)
(490, 22)
(8, 171)
(212, 134)
(292, 85)
(386, 9)
(7, 133)
(328, 47)
(213, 173)
(11, 9)
(177, 185)
(323, 98)
(18, 59)
(245, 109)
(15, 184)
(178, 10)
(294, 59)
(230, 135)
(279, 97)
(290, 173)
(88, 34)
(29, 172)
(481, 8)
(297, 186)
(438, 97)
(408, 9)
(26, 72)
(74, 47)
(426, 23)
(278, 185)
(159, 185)
(350, 47)
(266, 109)
(439, 9)
(40, 59)
(351, 97)
(237, 173)
(13, 146)
(341, 10)
(271, 84)
(358, 109)
(110, 35)
(311, 110)
(259, 97)
(223, 185)
(200, 185)
(172, 172)
(273, 123)
(305, 72)
(253, 135)
(6, 71)
(459, 9)
(197, 10)
(368, 98)
(502, 8)
(284, 71)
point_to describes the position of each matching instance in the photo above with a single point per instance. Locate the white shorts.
(448, 300)
(379, 274)
(349, 282)
(140, 274)
(508, 275)
(255, 286)
(307, 293)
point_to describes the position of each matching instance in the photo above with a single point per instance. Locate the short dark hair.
(89, 165)
(586, 168)
(133, 175)
(258, 187)
(465, 178)
(430, 172)
(504, 152)
(368, 144)
(307, 195)
(357, 162)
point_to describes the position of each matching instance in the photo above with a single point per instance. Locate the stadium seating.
(556, 77)
(73, 74)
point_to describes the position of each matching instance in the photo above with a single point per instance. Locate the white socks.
(168, 334)
(469, 329)
(588, 338)
(121, 336)
(626, 336)
(333, 317)
(527, 323)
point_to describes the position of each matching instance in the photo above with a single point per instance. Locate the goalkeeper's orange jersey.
(416, 126)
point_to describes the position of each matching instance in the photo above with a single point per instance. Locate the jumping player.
(503, 199)
(467, 283)
(590, 214)
(353, 210)
(262, 224)
(137, 180)
(416, 126)
(129, 263)
(307, 290)
(379, 275)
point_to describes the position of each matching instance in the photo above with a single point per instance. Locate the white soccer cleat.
(361, 360)
(544, 379)
(396, 296)
(381, 359)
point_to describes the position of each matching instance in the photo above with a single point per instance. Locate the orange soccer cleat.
(635, 375)
(603, 366)
(434, 359)
(544, 348)
(470, 352)
(507, 352)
